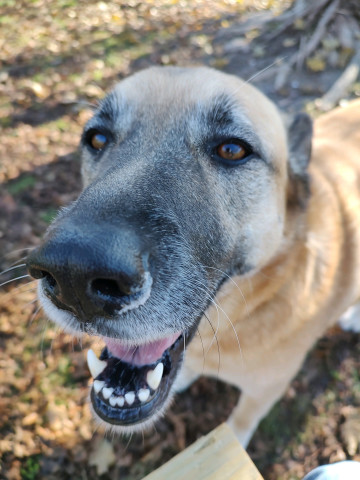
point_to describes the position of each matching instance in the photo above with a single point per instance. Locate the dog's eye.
(232, 151)
(97, 140)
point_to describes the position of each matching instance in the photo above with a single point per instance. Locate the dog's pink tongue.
(142, 354)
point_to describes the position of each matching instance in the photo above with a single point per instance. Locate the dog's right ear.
(299, 141)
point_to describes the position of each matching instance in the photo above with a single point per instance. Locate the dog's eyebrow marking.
(221, 111)
(226, 117)
(112, 112)
(110, 108)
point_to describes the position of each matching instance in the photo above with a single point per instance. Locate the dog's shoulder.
(340, 127)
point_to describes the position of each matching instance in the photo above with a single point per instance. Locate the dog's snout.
(89, 275)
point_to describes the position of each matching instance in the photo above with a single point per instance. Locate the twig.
(299, 10)
(306, 47)
(342, 84)
(318, 33)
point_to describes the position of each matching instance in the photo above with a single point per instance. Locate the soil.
(58, 58)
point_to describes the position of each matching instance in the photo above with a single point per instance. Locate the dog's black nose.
(92, 270)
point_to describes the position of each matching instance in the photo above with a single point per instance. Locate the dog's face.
(187, 182)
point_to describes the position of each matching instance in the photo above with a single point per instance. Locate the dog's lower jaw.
(138, 427)
(127, 394)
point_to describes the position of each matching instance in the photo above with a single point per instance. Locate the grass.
(31, 468)
(24, 183)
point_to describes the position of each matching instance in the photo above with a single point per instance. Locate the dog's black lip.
(132, 415)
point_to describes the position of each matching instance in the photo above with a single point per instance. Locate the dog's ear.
(299, 141)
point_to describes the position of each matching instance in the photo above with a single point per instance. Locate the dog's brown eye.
(231, 151)
(98, 141)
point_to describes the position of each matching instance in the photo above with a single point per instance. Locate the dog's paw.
(350, 320)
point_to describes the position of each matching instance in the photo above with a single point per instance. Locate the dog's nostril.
(50, 284)
(109, 288)
(50, 280)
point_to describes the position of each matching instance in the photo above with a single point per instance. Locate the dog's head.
(189, 177)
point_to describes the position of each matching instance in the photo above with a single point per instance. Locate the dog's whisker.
(234, 283)
(29, 303)
(33, 316)
(15, 291)
(260, 72)
(14, 252)
(217, 325)
(96, 428)
(43, 340)
(12, 268)
(129, 441)
(14, 280)
(217, 343)
(143, 438)
(203, 349)
(218, 307)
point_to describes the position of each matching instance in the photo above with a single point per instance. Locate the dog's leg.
(265, 383)
(251, 410)
(350, 320)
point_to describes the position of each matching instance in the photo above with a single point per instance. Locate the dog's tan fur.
(279, 313)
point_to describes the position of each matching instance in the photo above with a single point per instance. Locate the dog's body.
(195, 190)
(282, 310)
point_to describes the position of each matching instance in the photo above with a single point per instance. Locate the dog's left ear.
(299, 141)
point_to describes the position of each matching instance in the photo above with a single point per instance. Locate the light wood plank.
(217, 456)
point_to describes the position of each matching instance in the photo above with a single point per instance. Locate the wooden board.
(217, 456)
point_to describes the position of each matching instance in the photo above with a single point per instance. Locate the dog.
(213, 236)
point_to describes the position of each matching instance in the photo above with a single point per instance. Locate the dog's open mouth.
(132, 383)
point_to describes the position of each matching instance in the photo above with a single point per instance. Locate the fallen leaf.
(350, 430)
(316, 64)
(103, 457)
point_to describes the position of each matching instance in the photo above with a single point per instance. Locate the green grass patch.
(5, 122)
(48, 215)
(31, 468)
(27, 182)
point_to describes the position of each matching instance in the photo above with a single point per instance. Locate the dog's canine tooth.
(98, 385)
(143, 394)
(130, 398)
(107, 392)
(95, 365)
(154, 377)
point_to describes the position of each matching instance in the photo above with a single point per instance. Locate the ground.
(58, 58)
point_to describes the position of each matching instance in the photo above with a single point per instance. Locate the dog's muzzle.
(96, 273)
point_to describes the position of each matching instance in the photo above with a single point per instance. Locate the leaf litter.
(58, 58)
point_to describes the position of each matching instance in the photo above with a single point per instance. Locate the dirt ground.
(57, 59)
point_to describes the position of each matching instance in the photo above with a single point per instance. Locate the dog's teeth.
(107, 392)
(120, 401)
(154, 377)
(130, 398)
(143, 394)
(113, 401)
(95, 365)
(98, 385)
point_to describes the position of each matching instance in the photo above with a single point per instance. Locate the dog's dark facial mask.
(185, 177)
